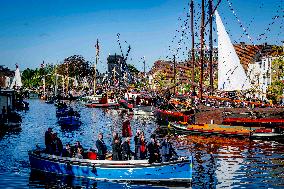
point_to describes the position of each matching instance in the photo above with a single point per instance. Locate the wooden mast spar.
(202, 28)
(192, 48)
(211, 46)
(95, 66)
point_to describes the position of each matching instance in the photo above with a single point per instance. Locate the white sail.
(17, 81)
(7, 82)
(231, 74)
(85, 82)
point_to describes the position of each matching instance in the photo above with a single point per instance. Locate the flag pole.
(95, 66)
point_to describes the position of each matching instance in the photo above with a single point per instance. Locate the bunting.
(239, 21)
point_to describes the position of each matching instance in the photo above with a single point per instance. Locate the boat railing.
(108, 163)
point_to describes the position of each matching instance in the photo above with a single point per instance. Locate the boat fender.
(68, 165)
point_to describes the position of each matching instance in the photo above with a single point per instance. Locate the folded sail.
(231, 74)
(17, 82)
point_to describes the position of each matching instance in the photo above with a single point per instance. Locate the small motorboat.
(69, 121)
(21, 105)
(61, 112)
(268, 134)
(99, 105)
(132, 170)
(107, 101)
(228, 130)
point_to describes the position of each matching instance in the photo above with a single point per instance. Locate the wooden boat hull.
(227, 130)
(133, 170)
(165, 116)
(263, 122)
(107, 105)
(213, 129)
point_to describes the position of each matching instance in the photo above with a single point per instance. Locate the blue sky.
(35, 30)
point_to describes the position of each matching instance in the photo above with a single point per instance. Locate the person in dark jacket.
(126, 152)
(48, 140)
(67, 152)
(153, 150)
(142, 150)
(102, 149)
(167, 150)
(137, 142)
(116, 147)
(57, 146)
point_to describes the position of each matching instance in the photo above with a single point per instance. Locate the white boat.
(92, 98)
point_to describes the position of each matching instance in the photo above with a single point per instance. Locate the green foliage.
(160, 80)
(75, 65)
(34, 78)
(275, 90)
(27, 78)
(132, 69)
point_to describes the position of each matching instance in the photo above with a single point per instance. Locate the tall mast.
(192, 47)
(144, 62)
(174, 74)
(144, 66)
(95, 66)
(211, 47)
(67, 77)
(201, 49)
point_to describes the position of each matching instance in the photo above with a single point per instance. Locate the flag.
(97, 47)
(42, 64)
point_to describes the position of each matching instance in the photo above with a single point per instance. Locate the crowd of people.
(154, 151)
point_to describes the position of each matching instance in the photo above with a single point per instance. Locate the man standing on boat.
(116, 147)
(102, 149)
(48, 140)
(153, 150)
(167, 150)
(137, 143)
(126, 152)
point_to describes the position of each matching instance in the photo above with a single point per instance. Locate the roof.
(247, 53)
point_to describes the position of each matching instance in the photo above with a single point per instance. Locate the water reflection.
(48, 180)
(219, 162)
(232, 163)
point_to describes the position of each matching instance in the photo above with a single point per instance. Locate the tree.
(132, 69)
(27, 78)
(76, 67)
(160, 80)
(275, 90)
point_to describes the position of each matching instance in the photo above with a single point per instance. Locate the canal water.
(218, 162)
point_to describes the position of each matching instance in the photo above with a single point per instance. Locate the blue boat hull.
(177, 171)
(69, 121)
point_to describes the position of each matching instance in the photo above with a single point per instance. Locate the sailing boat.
(92, 98)
(231, 74)
(17, 81)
